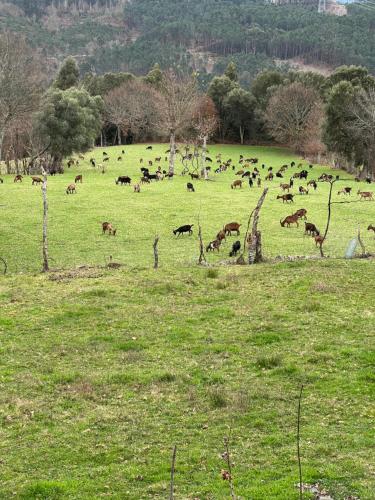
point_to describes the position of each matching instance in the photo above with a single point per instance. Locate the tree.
(176, 105)
(361, 125)
(20, 83)
(154, 76)
(68, 75)
(262, 84)
(289, 113)
(205, 121)
(239, 105)
(218, 90)
(231, 72)
(131, 107)
(68, 122)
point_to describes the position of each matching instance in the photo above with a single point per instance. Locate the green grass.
(101, 373)
(75, 221)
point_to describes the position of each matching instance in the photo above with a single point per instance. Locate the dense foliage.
(112, 35)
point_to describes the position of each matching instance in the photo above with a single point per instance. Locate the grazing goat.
(345, 190)
(71, 189)
(232, 227)
(213, 245)
(145, 180)
(313, 184)
(290, 219)
(106, 159)
(286, 197)
(236, 184)
(137, 188)
(107, 226)
(123, 179)
(149, 147)
(301, 212)
(105, 154)
(194, 176)
(236, 247)
(240, 172)
(319, 240)
(36, 180)
(119, 158)
(269, 177)
(78, 178)
(18, 178)
(285, 187)
(303, 190)
(371, 228)
(220, 235)
(366, 195)
(183, 229)
(311, 229)
(190, 187)
(92, 161)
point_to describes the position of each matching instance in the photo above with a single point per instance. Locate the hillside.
(118, 35)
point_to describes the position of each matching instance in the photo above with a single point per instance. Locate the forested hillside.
(120, 35)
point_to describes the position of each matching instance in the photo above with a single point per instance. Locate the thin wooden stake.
(298, 444)
(156, 253)
(45, 222)
(171, 491)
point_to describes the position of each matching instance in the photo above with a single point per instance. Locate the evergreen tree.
(68, 75)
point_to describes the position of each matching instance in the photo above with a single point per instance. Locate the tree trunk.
(156, 253)
(255, 244)
(45, 222)
(118, 136)
(241, 133)
(204, 152)
(172, 153)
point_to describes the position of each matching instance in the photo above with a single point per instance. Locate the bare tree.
(20, 82)
(290, 112)
(176, 106)
(205, 122)
(132, 106)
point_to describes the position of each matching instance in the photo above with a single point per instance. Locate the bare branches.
(45, 222)
(227, 475)
(255, 253)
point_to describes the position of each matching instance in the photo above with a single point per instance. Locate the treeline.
(39, 7)
(314, 115)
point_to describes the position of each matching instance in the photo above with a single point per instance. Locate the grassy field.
(75, 221)
(102, 372)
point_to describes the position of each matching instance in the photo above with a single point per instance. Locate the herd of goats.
(248, 172)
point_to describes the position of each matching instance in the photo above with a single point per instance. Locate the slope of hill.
(120, 35)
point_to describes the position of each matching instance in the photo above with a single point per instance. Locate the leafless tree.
(205, 122)
(20, 82)
(291, 112)
(132, 106)
(362, 126)
(176, 105)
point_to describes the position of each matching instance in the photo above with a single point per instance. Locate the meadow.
(75, 236)
(103, 371)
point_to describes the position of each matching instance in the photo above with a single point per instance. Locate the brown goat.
(18, 178)
(36, 180)
(371, 228)
(345, 190)
(285, 197)
(231, 227)
(137, 188)
(78, 178)
(319, 240)
(285, 187)
(301, 213)
(311, 229)
(236, 184)
(366, 195)
(213, 245)
(107, 226)
(220, 235)
(71, 189)
(240, 172)
(290, 219)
